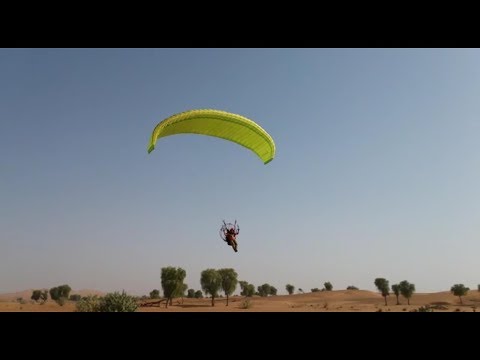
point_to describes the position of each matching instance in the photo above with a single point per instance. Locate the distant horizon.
(376, 169)
(281, 291)
(236, 293)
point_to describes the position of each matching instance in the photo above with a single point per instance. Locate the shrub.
(246, 304)
(155, 294)
(88, 304)
(116, 302)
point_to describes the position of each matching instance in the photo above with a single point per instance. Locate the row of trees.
(60, 294)
(212, 281)
(327, 287)
(406, 289)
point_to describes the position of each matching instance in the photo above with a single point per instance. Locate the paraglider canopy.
(221, 124)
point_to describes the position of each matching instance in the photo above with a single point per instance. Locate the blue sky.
(377, 169)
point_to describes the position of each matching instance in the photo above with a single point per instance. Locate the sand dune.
(327, 301)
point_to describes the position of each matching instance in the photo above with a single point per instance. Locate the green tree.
(211, 282)
(314, 290)
(155, 294)
(229, 281)
(383, 286)
(351, 287)
(264, 290)
(290, 289)
(60, 294)
(273, 291)
(478, 287)
(300, 290)
(172, 282)
(247, 289)
(328, 286)
(198, 294)
(396, 291)
(190, 293)
(54, 293)
(459, 290)
(36, 295)
(407, 290)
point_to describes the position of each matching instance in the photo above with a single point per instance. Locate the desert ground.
(325, 301)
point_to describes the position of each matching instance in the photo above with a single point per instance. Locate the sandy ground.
(328, 301)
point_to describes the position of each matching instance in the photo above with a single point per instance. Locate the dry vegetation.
(321, 301)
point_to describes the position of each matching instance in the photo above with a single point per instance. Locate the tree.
(172, 282)
(300, 290)
(396, 291)
(315, 290)
(155, 294)
(328, 286)
(190, 293)
(264, 290)
(407, 290)
(36, 295)
(478, 287)
(273, 290)
(60, 293)
(351, 287)
(229, 281)
(382, 286)
(459, 290)
(198, 294)
(290, 289)
(211, 282)
(247, 289)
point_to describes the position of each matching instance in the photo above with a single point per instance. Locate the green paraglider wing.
(221, 124)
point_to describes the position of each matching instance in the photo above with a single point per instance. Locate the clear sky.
(377, 169)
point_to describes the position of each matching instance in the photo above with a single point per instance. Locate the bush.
(155, 294)
(246, 304)
(425, 308)
(75, 297)
(314, 289)
(89, 304)
(351, 287)
(116, 302)
(328, 286)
